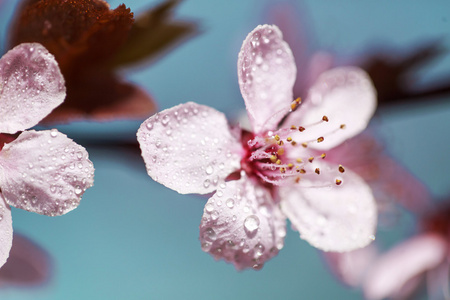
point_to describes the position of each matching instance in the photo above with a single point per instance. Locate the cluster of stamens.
(270, 158)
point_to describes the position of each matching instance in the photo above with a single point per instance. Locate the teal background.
(132, 238)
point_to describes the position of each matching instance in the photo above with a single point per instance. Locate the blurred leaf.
(395, 79)
(154, 32)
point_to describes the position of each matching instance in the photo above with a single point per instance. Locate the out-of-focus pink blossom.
(40, 171)
(276, 171)
(28, 264)
(425, 257)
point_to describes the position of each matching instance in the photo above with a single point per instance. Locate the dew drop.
(206, 183)
(251, 223)
(53, 133)
(210, 234)
(209, 169)
(209, 207)
(149, 125)
(165, 120)
(230, 202)
(259, 249)
(78, 190)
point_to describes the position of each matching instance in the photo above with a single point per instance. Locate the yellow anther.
(283, 170)
(273, 158)
(301, 128)
(325, 118)
(302, 171)
(289, 139)
(299, 160)
(278, 162)
(338, 182)
(305, 145)
(280, 151)
(280, 143)
(298, 100)
(317, 170)
(323, 155)
(320, 139)
(293, 105)
(341, 169)
(293, 127)
(290, 166)
(293, 143)
(311, 159)
(342, 126)
(277, 138)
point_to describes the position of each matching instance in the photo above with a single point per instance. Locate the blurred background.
(132, 238)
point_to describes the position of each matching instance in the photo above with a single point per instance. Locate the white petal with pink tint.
(189, 148)
(31, 86)
(403, 263)
(351, 267)
(44, 172)
(266, 71)
(332, 218)
(6, 232)
(242, 225)
(346, 96)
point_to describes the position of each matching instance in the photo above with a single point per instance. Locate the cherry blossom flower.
(398, 273)
(276, 171)
(40, 171)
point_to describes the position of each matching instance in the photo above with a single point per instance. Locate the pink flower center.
(279, 159)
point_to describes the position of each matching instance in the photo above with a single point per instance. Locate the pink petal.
(189, 148)
(242, 225)
(390, 182)
(403, 263)
(346, 96)
(45, 172)
(28, 264)
(330, 217)
(6, 232)
(31, 87)
(350, 267)
(266, 71)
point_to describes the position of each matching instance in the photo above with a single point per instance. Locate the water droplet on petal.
(206, 183)
(251, 223)
(210, 234)
(149, 125)
(209, 207)
(53, 133)
(230, 202)
(209, 169)
(259, 249)
(78, 190)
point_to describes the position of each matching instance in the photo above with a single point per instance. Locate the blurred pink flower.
(274, 172)
(28, 264)
(398, 273)
(40, 171)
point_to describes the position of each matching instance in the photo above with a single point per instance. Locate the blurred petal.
(242, 225)
(332, 218)
(390, 182)
(45, 172)
(6, 232)
(350, 267)
(189, 148)
(28, 264)
(403, 263)
(31, 86)
(266, 71)
(346, 97)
